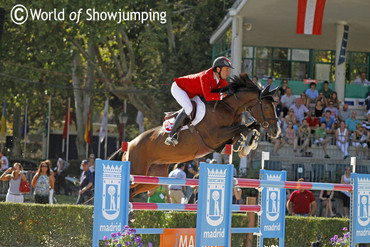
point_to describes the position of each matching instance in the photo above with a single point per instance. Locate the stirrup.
(171, 140)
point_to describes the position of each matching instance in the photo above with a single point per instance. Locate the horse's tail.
(117, 155)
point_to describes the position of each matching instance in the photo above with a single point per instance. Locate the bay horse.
(221, 125)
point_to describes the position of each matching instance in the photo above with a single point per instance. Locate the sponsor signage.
(111, 198)
(214, 210)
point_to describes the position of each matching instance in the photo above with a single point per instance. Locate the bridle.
(265, 124)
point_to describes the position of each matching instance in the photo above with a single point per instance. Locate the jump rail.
(245, 183)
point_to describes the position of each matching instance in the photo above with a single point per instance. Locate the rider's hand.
(223, 95)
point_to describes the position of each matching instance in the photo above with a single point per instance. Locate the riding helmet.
(222, 62)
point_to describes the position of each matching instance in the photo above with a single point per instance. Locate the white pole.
(25, 130)
(48, 136)
(68, 121)
(106, 137)
(353, 164)
(265, 156)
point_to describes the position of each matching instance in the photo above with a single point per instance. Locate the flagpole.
(99, 143)
(106, 136)
(25, 130)
(68, 121)
(48, 136)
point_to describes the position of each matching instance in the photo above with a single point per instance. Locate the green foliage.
(65, 225)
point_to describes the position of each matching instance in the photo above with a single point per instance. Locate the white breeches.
(182, 98)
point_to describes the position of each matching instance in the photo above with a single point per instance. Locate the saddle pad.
(201, 112)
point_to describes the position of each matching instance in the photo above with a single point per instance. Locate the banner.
(104, 123)
(343, 48)
(309, 16)
(87, 129)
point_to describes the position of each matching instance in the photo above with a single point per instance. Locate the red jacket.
(201, 84)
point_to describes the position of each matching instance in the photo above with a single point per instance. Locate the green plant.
(344, 241)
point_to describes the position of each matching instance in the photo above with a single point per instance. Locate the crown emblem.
(273, 177)
(109, 170)
(216, 173)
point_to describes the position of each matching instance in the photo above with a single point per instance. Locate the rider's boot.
(179, 122)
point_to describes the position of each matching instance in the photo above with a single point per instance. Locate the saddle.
(173, 114)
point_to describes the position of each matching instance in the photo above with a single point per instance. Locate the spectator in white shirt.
(287, 100)
(300, 110)
(361, 80)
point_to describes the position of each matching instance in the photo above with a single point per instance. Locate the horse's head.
(265, 113)
(261, 105)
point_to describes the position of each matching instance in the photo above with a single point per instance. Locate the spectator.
(92, 163)
(333, 110)
(299, 110)
(326, 92)
(301, 202)
(322, 99)
(287, 100)
(4, 161)
(361, 80)
(176, 191)
(255, 80)
(237, 194)
(305, 100)
(352, 122)
(319, 109)
(304, 134)
(159, 195)
(283, 88)
(278, 142)
(360, 139)
(43, 183)
(14, 175)
(278, 106)
(341, 135)
(60, 174)
(194, 197)
(312, 93)
(51, 195)
(367, 103)
(85, 193)
(289, 118)
(329, 120)
(321, 138)
(334, 98)
(269, 83)
(346, 179)
(326, 196)
(344, 113)
(313, 121)
(291, 137)
(191, 170)
(366, 123)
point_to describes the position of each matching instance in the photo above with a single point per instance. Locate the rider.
(201, 84)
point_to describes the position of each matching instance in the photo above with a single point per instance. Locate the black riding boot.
(179, 122)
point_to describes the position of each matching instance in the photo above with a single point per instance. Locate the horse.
(221, 125)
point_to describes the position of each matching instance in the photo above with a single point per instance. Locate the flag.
(87, 129)
(68, 116)
(140, 121)
(309, 17)
(3, 120)
(104, 123)
(47, 121)
(25, 126)
(343, 48)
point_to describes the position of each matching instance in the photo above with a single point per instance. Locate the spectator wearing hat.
(86, 185)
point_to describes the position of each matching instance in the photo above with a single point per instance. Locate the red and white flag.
(309, 18)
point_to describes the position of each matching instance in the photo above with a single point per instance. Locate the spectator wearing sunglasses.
(43, 182)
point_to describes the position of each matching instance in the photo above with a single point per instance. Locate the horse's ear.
(266, 90)
(273, 91)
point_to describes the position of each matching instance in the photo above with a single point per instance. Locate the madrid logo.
(215, 196)
(273, 200)
(111, 191)
(363, 199)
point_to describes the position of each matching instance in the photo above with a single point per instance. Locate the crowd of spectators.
(318, 118)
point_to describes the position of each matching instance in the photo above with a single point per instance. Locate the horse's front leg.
(244, 131)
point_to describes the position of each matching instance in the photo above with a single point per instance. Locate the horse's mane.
(242, 81)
